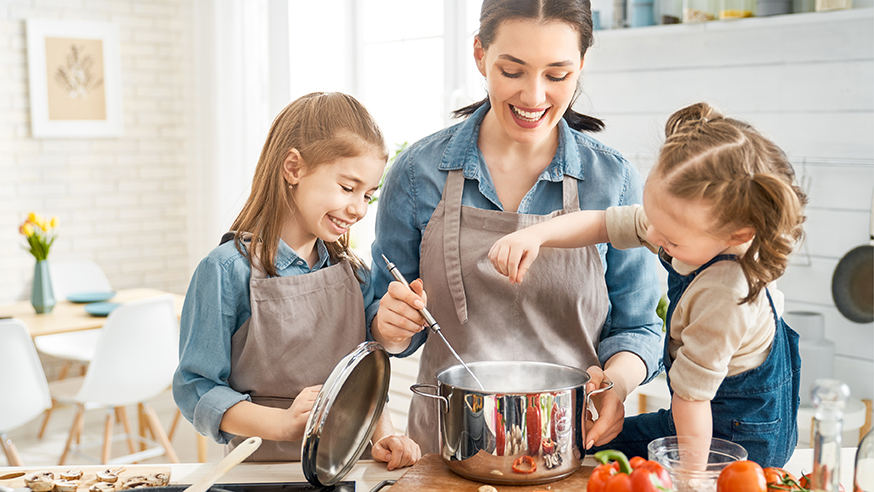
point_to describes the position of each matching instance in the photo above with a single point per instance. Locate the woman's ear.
(292, 167)
(742, 235)
(479, 55)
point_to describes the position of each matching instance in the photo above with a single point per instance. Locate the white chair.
(24, 392)
(134, 361)
(70, 276)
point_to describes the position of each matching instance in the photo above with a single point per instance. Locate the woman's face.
(532, 70)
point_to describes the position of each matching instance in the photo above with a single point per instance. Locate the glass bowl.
(694, 464)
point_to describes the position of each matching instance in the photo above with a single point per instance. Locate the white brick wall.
(121, 201)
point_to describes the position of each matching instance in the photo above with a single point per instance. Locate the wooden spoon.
(233, 459)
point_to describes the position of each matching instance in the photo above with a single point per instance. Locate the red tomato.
(742, 476)
(806, 482)
(780, 479)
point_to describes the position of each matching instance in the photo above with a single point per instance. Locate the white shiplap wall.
(806, 81)
(121, 201)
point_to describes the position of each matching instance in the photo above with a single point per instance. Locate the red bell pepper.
(647, 476)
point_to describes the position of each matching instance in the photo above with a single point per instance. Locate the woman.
(517, 160)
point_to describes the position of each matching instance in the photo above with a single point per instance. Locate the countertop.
(367, 473)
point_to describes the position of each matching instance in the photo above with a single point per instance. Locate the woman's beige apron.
(300, 328)
(554, 315)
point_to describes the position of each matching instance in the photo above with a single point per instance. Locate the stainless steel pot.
(532, 409)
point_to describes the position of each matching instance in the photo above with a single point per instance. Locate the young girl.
(274, 308)
(722, 211)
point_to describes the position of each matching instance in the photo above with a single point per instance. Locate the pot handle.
(418, 387)
(589, 405)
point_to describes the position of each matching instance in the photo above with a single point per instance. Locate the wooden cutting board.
(89, 474)
(431, 474)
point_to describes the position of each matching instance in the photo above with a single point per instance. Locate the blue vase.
(43, 296)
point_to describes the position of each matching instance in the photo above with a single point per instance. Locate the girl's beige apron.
(555, 315)
(300, 328)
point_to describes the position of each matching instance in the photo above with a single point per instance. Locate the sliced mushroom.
(71, 474)
(42, 481)
(102, 487)
(161, 477)
(486, 488)
(107, 475)
(66, 485)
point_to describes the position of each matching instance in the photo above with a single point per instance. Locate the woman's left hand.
(611, 411)
(397, 451)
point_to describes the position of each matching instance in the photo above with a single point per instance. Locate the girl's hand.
(296, 416)
(610, 408)
(398, 318)
(396, 450)
(513, 254)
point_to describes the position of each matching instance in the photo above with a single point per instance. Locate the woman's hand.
(398, 318)
(611, 411)
(295, 419)
(397, 451)
(513, 254)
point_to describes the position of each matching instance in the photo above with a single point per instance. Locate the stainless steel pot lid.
(345, 413)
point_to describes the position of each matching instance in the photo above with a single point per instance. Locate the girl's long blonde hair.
(744, 177)
(323, 127)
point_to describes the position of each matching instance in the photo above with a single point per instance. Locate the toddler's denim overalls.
(757, 408)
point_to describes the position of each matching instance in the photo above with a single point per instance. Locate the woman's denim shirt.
(216, 305)
(413, 188)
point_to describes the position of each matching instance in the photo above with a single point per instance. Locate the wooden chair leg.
(121, 416)
(173, 425)
(160, 435)
(641, 403)
(45, 420)
(106, 455)
(64, 369)
(201, 448)
(10, 451)
(141, 419)
(74, 431)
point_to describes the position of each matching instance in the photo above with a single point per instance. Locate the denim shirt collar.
(285, 256)
(463, 153)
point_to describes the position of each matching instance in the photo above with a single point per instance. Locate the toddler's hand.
(512, 255)
(299, 412)
(397, 451)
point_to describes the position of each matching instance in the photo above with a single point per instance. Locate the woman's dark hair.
(575, 13)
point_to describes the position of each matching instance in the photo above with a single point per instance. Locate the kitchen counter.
(367, 473)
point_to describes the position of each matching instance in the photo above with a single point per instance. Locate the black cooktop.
(286, 487)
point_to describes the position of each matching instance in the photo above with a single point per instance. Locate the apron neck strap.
(452, 192)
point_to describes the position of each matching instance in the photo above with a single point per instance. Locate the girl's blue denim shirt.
(216, 305)
(413, 188)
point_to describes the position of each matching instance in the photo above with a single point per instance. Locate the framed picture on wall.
(75, 78)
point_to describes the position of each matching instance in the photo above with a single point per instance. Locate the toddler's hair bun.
(689, 116)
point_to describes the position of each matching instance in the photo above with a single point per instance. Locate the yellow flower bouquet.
(40, 234)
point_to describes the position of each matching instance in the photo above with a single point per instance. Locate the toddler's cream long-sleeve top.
(711, 335)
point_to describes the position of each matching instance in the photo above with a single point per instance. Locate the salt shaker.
(829, 396)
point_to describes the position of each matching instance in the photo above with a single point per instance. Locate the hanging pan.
(853, 281)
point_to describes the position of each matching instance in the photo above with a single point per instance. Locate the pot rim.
(584, 377)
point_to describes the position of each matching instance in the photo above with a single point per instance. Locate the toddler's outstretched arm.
(513, 254)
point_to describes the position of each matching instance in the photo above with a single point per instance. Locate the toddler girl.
(721, 210)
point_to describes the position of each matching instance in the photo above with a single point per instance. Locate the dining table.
(69, 316)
